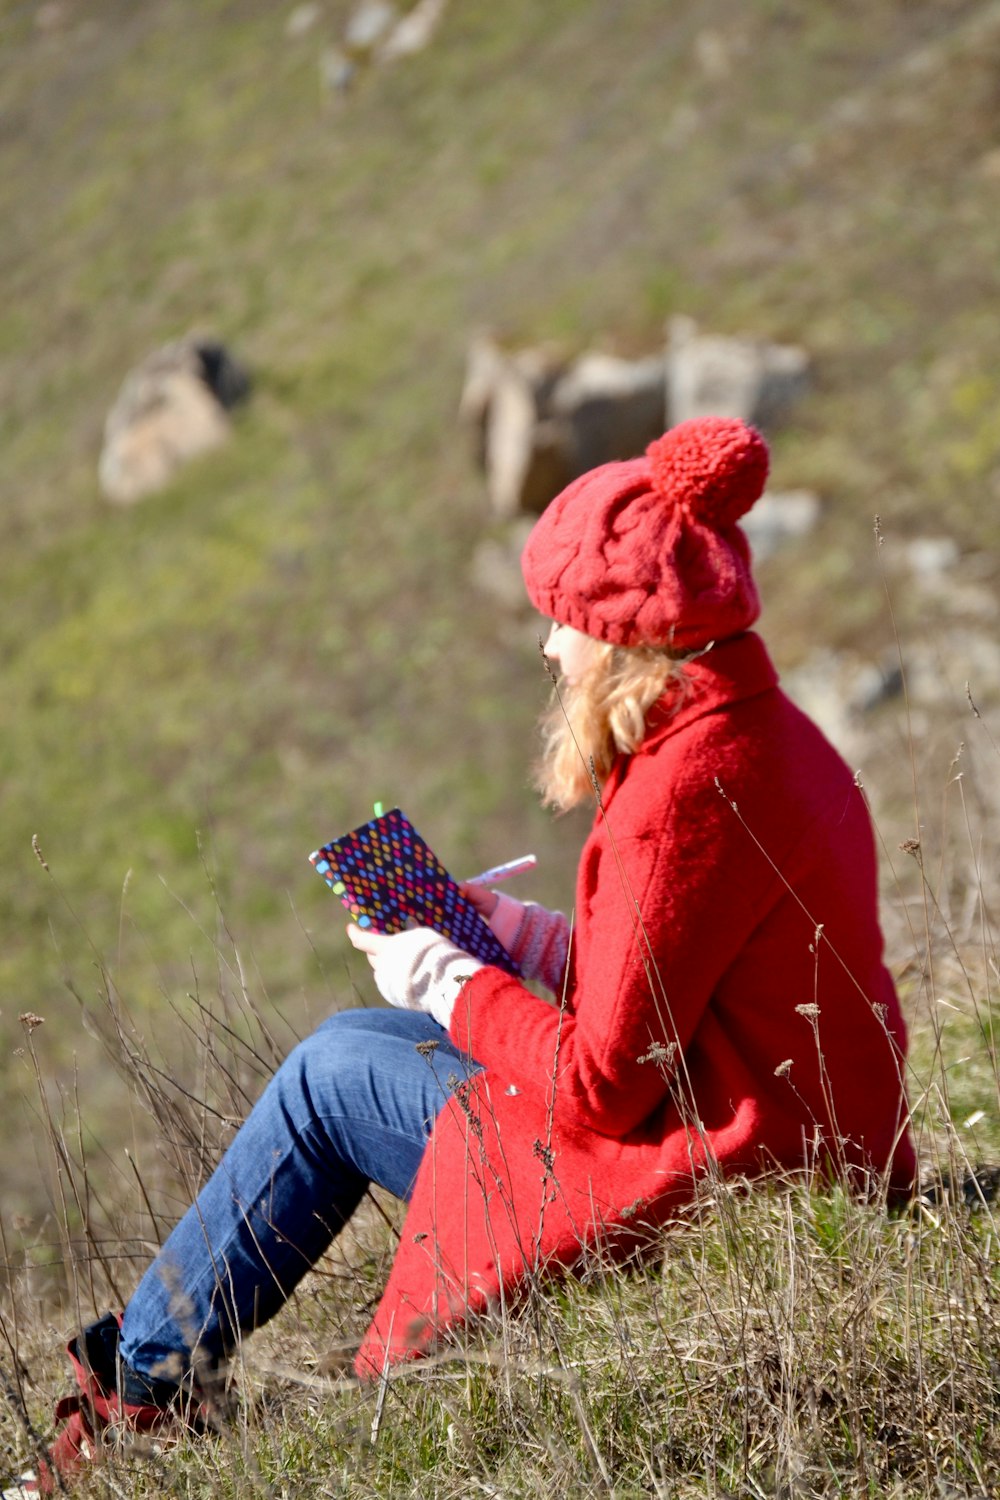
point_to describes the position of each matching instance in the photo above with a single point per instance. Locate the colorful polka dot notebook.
(386, 875)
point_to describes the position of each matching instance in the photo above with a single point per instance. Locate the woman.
(719, 999)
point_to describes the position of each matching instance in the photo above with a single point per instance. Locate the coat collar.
(735, 669)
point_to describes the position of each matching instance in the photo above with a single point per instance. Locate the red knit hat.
(648, 552)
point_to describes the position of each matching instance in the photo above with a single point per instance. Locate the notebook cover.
(387, 876)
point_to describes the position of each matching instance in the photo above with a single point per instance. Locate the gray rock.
(413, 32)
(713, 54)
(612, 408)
(337, 71)
(506, 401)
(938, 669)
(526, 463)
(873, 683)
(369, 24)
(484, 366)
(52, 16)
(683, 125)
(777, 519)
(171, 408)
(842, 691)
(956, 584)
(931, 556)
(302, 20)
(710, 375)
(496, 568)
(820, 687)
(538, 421)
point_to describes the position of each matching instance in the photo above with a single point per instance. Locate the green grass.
(289, 632)
(197, 691)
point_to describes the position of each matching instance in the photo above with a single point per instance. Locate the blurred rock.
(709, 375)
(369, 24)
(611, 408)
(171, 408)
(949, 580)
(496, 567)
(843, 691)
(820, 686)
(840, 691)
(51, 16)
(538, 421)
(506, 401)
(526, 461)
(302, 20)
(484, 365)
(780, 518)
(989, 164)
(713, 55)
(938, 669)
(413, 32)
(682, 126)
(931, 556)
(870, 684)
(337, 71)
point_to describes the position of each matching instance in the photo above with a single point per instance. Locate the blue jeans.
(352, 1104)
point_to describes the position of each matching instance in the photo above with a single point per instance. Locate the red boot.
(97, 1419)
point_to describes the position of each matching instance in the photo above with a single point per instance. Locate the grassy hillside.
(208, 684)
(196, 691)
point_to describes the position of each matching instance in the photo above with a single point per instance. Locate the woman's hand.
(485, 901)
(394, 957)
(368, 941)
(417, 969)
(503, 914)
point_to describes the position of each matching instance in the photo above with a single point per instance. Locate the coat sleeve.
(668, 909)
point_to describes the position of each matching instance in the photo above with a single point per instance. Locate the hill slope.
(197, 691)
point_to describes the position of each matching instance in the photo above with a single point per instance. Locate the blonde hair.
(598, 717)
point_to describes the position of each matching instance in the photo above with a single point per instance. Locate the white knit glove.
(417, 970)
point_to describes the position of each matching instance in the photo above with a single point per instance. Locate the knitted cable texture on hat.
(648, 552)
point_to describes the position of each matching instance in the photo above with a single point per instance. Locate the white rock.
(682, 126)
(930, 556)
(937, 670)
(369, 23)
(505, 400)
(185, 420)
(712, 375)
(525, 459)
(484, 366)
(414, 32)
(171, 408)
(817, 686)
(780, 518)
(952, 582)
(337, 71)
(302, 20)
(612, 408)
(713, 55)
(989, 164)
(51, 16)
(496, 568)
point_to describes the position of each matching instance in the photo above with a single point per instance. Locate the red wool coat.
(725, 1002)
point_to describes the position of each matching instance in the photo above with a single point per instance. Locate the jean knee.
(325, 1069)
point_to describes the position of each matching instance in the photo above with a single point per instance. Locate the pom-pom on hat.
(648, 552)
